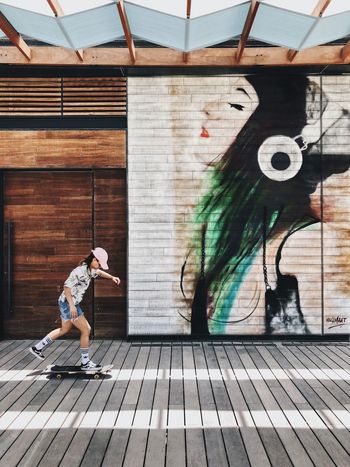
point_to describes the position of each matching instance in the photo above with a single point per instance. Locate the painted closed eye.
(236, 106)
(244, 91)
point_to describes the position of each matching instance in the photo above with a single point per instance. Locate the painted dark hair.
(233, 208)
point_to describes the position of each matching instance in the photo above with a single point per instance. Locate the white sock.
(84, 356)
(44, 343)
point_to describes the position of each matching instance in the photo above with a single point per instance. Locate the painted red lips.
(204, 133)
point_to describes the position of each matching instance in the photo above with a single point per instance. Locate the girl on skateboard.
(69, 305)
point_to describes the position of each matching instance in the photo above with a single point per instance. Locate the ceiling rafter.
(318, 12)
(55, 7)
(188, 15)
(57, 11)
(254, 5)
(15, 37)
(126, 29)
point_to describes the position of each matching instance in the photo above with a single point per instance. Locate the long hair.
(240, 194)
(242, 202)
(88, 260)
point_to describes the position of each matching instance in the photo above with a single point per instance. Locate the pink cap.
(102, 256)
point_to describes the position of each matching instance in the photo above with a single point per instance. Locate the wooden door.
(48, 227)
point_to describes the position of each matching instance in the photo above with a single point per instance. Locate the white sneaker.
(90, 365)
(37, 353)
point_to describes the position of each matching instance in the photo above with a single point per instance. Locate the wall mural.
(264, 246)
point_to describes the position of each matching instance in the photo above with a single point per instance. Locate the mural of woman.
(260, 194)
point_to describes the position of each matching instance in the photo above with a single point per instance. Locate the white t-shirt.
(78, 281)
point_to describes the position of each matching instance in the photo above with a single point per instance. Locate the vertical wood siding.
(51, 216)
(110, 233)
(58, 217)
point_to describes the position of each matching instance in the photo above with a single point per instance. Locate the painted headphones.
(280, 157)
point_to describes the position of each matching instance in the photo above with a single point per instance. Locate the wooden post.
(14, 36)
(246, 30)
(188, 14)
(126, 28)
(57, 10)
(318, 12)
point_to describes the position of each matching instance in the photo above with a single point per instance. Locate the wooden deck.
(178, 404)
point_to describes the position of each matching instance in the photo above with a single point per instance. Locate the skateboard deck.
(60, 371)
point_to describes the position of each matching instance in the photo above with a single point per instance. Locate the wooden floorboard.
(306, 434)
(137, 442)
(177, 404)
(195, 445)
(28, 399)
(74, 408)
(157, 436)
(99, 438)
(89, 421)
(115, 451)
(176, 450)
(214, 441)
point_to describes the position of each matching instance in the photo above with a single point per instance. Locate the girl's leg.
(66, 326)
(84, 327)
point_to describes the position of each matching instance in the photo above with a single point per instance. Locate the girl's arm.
(108, 276)
(69, 298)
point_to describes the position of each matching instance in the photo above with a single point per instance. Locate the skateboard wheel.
(96, 376)
(58, 376)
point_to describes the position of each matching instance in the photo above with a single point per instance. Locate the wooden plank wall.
(62, 149)
(51, 215)
(336, 205)
(167, 161)
(60, 216)
(110, 231)
(170, 166)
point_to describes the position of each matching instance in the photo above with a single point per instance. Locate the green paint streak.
(233, 212)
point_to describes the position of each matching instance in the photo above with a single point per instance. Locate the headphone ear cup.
(280, 158)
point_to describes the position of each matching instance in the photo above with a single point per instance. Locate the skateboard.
(60, 371)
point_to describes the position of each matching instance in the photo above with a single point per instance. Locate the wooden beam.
(317, 12)
(188, 8)
(14, 37)
(254, 5)
(188, 14)
(345, 52)
(55, 7)
(57, 11)
(126, 28)
(163, 57)
(320, 7)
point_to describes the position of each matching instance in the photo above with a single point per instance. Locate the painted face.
(213, 120)
(230, 112)
(222, 118)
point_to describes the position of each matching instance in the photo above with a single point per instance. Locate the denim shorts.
(65, 311)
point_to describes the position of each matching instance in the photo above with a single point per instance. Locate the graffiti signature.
(338, 321)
